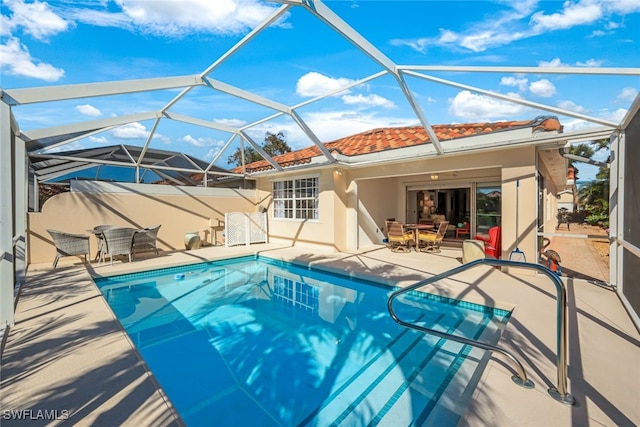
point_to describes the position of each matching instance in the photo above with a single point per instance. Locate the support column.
(7, 266)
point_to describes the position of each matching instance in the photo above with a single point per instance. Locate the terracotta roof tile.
(384, 139)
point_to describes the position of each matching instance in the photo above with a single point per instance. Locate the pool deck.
(67, 352)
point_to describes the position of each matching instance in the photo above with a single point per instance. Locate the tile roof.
(384, 139)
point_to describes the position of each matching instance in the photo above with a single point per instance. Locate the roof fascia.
(87, 90)
(402, 155)
(515, 100)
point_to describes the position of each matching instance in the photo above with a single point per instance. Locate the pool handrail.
(560, 392)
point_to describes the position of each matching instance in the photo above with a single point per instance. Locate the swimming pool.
(253, 341)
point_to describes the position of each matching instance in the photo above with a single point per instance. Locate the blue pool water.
(256, 342)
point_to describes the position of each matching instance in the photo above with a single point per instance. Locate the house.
(389, 172)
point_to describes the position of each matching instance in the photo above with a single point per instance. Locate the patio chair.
(432, 239)
(399, 239)
(492, 243)
(97, 231)
(465, 230)
(145, 239)
(68, 244)
(118, 241)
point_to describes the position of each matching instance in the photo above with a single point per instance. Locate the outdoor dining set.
(112, 241)
(402, 237)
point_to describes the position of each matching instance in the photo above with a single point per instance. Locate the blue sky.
(299, 58)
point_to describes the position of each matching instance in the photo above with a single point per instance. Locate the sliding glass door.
(488, 206)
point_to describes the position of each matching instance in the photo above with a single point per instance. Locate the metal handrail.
(560, 392)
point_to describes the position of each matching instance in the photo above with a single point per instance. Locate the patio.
(67, 352)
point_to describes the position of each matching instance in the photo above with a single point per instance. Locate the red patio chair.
(493, 243)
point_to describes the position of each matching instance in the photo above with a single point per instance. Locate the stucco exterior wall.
(355, 202)
(320, 234)
(549, 200)
(177, 209)
(379, 199)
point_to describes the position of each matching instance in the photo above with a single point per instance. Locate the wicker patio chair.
(145, 239)
(102, 250)
(68, 244)
(432, 239)
(118, 241)
(399, 239)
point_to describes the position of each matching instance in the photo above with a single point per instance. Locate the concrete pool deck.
(67, 352)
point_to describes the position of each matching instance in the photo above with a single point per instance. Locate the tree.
(595, 194)
(273, 145)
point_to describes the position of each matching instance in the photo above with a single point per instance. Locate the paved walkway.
(580, 259)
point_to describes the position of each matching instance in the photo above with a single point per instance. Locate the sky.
(299, 58)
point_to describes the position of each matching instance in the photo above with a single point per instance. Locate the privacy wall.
(178, 209)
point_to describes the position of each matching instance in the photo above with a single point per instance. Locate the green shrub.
(597, 219)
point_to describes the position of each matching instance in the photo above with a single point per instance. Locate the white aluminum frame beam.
(260, 150)
(326, 15)
(7, 212)
(88, 90)
(525, 70)
(88, 126)
(515, 100)
(265, 23)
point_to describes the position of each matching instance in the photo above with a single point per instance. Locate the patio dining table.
(416, 228)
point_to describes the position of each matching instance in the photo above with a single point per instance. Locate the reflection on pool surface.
(263, 343)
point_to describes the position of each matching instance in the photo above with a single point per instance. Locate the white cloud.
(236, 123)
(316, 84)
(572, 106)
(180, 18)
(201, 142)
(99, 139)
(580, 13)
(555, 62)
(522, 21)
(17, 60)
(369, 100)
(622, 6)
(589, 63)
(88, 110)
(628, 94)
(36, 19)
(131, 131)
(474, 107)
(519, 82)
(543, 88)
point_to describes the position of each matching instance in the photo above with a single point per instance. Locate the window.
(295, 298)
(296, 199)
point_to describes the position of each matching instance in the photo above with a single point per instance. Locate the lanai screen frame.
(15, 144)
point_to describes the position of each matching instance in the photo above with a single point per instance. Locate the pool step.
(394, 389)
